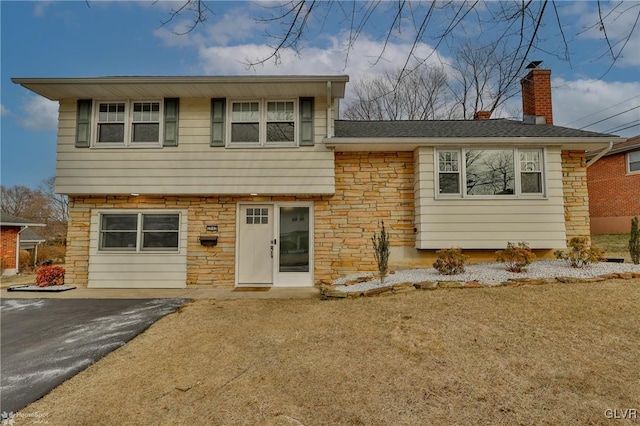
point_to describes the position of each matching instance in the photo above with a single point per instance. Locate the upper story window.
(263, 123)
(490, 173)
(128, 123)
(633, 162)
(255, 123)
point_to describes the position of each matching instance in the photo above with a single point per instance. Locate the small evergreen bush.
(381, 252)
(579, 254)
(450, 261)
(634, 241)
(516, 257)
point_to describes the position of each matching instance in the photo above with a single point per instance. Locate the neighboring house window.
(128, 123)
(490, 172)
(139, 231)
(633, 161)
(263, 123)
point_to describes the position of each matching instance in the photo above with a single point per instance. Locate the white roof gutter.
(600, 154)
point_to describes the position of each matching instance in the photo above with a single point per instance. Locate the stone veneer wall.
(576, 194)
(370, 187)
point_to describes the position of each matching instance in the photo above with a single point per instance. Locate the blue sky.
(73, 39)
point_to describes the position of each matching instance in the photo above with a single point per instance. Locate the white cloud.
(176, 36)
(4, 111)
(39, 113)
(363, 58)
(40, 8)
(232, 27)
(579, 103)
(235, 25)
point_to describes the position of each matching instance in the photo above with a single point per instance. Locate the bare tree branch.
(514, 23)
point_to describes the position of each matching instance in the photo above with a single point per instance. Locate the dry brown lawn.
(553, 354)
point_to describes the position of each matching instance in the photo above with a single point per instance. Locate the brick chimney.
(536, 97)
(482, 115)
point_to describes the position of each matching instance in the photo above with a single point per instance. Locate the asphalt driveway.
(46, 341)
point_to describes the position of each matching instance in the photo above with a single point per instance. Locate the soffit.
(184, 87)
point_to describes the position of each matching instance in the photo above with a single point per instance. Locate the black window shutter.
(218, 106)
(171, 110)
(306, 122)
(83, 123)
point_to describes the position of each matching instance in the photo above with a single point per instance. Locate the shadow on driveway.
(47, 341)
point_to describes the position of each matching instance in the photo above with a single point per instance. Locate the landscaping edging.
(332, 292)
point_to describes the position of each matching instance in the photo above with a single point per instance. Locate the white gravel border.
(489, 273)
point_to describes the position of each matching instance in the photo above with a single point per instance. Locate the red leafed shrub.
(49, 275)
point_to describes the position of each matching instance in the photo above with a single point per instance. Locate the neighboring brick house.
(614, 187)
(11, 229)
(253, 180)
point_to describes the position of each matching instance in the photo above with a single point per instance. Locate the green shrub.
(49, 276)
(450, 261)
(634, 241)
(579, 254)
(516, 258)
(381, 252)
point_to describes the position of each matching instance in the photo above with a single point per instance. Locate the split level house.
(254, 180)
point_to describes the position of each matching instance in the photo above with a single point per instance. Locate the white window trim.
(138, 248)
(128, 125)
(262, 125)
(628, 163)
(462, 194)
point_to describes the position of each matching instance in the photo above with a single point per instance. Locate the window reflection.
(294, 239)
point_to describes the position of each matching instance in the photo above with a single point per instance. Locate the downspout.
(18, 249)
(329, 110)
(600, 154)
(35, 255)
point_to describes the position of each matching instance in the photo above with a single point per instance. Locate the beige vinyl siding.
(487, 223)
(193, 167)
(140, 269)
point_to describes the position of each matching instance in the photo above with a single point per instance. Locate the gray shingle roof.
(28, 235)
(494, 128)
(7, 219)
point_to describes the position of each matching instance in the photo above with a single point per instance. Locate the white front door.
(275, 244)
(255, 251)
